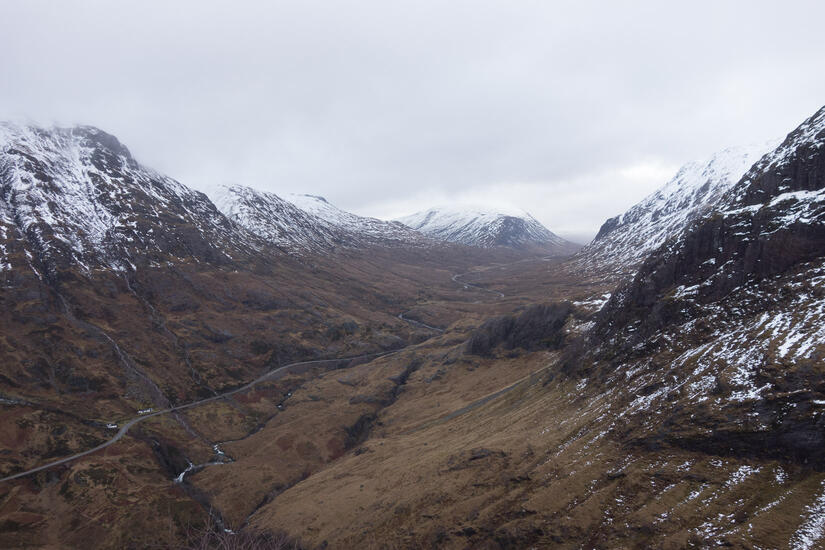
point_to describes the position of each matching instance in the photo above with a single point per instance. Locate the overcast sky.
(571, 110)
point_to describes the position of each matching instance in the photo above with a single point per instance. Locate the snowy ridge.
(307, 223)
(76, 196)
(772, 219)
(773, 199)
(624, 241)
(276, 220)
(485, 228)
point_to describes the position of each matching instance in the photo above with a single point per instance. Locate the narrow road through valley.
(128, 425)
(469, 285)
(418, 323)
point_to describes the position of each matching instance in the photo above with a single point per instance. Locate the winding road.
(418, 323)
(470, 285)
(124, 429)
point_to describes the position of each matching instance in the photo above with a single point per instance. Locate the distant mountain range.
(302, 223)
(76, 196)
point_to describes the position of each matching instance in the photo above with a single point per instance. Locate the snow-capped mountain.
(366, 228)
(772, 219)
(625, 240)
(76, 196)
(487, 228)
(304, 223)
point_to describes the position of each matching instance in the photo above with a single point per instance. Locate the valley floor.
(427, 447)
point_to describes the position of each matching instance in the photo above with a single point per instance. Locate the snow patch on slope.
(812, 529)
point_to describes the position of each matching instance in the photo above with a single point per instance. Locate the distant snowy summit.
(624, 241)
(487, 229)
(309, 223)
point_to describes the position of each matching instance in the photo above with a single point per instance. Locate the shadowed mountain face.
(768, 223)
(523, 402)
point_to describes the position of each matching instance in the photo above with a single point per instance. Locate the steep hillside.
(737, 304)
(487, 228)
